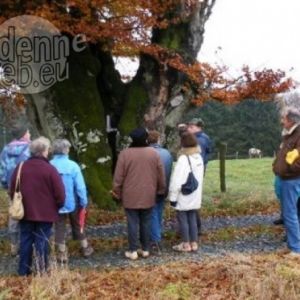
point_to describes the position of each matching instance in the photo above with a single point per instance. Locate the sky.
(257, 33)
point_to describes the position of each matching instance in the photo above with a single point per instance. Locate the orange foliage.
(124, 28)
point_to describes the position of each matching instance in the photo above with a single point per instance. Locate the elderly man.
(195, 126)
(287, 166)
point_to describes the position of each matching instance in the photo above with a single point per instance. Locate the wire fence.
(237, 155)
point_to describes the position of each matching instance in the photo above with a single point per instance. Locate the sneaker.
(62, 256)
(283, 251)
(131, 255)
(194, 246)
(14, 250)
(143, 253)
(293, 255)
(181, 248)
(87, 251)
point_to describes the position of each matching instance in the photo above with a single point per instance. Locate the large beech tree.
(166, 36)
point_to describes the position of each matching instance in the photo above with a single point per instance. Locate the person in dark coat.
(139, 177)
(43, 195)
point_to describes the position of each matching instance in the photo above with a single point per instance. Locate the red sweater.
(42, 190)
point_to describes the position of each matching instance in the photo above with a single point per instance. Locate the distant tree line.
(249, 124)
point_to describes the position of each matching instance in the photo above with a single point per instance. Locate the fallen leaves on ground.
(265, 276)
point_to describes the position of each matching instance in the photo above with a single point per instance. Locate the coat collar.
(289, 132)
(190, 151)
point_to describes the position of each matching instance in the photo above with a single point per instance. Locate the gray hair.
(60, 146)
(39, 145)
(292, 114)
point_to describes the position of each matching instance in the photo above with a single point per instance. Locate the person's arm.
(80, 187)
(3, 170)
(58, 188)
(178, 177)
(119, 177)
(13, 183)
(161, 177)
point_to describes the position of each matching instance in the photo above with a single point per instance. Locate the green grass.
(249, 184)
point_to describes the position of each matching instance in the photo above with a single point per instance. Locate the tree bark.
(76, 108)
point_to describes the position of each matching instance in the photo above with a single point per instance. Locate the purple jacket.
(42, 190)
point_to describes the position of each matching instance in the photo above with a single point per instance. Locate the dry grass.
(235, 277)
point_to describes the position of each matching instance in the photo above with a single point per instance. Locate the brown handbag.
(16, 209)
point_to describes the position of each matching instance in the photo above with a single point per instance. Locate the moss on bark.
(135, 105)
(78, 104)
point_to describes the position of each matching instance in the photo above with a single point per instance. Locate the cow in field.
(254, 153)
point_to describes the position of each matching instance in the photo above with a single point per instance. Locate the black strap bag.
(191, 184)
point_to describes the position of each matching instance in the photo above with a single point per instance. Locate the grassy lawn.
(249, 188)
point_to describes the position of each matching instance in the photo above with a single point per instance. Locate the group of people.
(143, 180)
(52, 191)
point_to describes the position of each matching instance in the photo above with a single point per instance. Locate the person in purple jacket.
(43, 195)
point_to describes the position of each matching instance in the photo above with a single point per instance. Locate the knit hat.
(139, 134)
(196, 121)
(19, 131)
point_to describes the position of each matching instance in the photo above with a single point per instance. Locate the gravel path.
(245, 244)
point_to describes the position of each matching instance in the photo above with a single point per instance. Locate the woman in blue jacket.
(76, 200)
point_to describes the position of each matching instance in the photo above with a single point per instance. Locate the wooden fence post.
(222, 152)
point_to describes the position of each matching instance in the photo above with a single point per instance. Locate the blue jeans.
(35, 234)
(138, 224)
(156, 221)
(289, 198)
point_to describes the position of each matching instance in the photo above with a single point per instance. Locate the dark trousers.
(188, 225)
(198, 222)
(138, 224)
(35, 234)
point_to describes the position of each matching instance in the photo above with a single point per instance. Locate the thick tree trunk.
(156, 97)
(76, 108)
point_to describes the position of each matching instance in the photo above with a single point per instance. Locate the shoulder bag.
(191, 183)
(16, 209)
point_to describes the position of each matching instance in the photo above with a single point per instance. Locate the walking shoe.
(278, 222)
(293, 255)
(155, 246)
(14, 250)
(62, 256)
(181, 248)
(283, 251)
(194, 246)
(87, 251)
(143, 253)
(131, 255)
